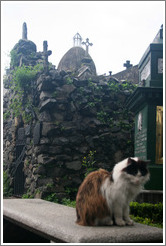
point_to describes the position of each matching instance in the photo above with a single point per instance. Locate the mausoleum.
(147, 104)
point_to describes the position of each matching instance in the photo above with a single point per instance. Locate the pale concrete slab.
(55, 221)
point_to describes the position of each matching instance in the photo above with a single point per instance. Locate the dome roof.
(74, 59)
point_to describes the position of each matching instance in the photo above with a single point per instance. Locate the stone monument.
(24, 31)
(46, 53)
(147, 104)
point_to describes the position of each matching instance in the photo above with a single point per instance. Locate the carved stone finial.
(77, 39)
(24, 31)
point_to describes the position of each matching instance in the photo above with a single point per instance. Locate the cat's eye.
(131, 169)
(143, 171)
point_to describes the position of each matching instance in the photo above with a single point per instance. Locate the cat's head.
(133, 170)
(136, 171)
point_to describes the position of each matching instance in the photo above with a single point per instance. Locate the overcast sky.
(119, 30)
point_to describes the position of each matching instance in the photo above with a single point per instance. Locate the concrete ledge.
(57, 222)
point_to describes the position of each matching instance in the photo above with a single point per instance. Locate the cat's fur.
(103, 198)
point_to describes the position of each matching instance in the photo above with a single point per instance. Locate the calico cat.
(103, 198)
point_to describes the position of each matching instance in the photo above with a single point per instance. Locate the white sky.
(119, 30)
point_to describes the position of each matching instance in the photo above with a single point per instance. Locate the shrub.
(154, 212)
(52, 198)
(68, 202)
(27, 196)
(23, 76)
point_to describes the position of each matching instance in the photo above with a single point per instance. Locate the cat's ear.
(129, 161)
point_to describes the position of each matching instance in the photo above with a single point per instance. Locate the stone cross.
(127, 64)
(46, 53)
(24, 31)
(87, 45)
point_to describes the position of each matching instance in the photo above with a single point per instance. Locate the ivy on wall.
(21, 84)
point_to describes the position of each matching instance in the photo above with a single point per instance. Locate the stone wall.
(69, 118)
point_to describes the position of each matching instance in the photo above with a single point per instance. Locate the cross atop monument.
(127, 64)
(24, 31)
(77, 39)
(46, 53)
(87, 44)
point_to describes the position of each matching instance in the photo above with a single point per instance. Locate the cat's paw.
(109, 222)
(104, 221)
(120, 222)
(130, 222)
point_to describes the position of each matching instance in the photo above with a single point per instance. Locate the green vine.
(21, 85)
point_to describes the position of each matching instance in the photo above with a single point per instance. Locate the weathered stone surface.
(41, 149)
(61, 141)
(46, 160)
(75, 165)
(55, 150)
(49, 129)
(58, 117)
(27, 130)
(48, 104)
(63, 158)
(76, 139)
(118, 156)
(45, 95)
(25, 47)
(68, 89)
(45, 181)
(37, 133)
(44, 141)
(45, 116)
(55, 76)
(72, 60)
(46, 86)
(39, 170)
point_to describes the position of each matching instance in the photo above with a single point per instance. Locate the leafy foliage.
(22, 76)
(27, 196)
(146, 221)
(21, 85)
(147, 213)
(88, 162)
(14, 58)
(52, 198)
(7, 191)
(68, 202)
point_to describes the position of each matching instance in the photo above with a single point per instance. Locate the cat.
(103, 197)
